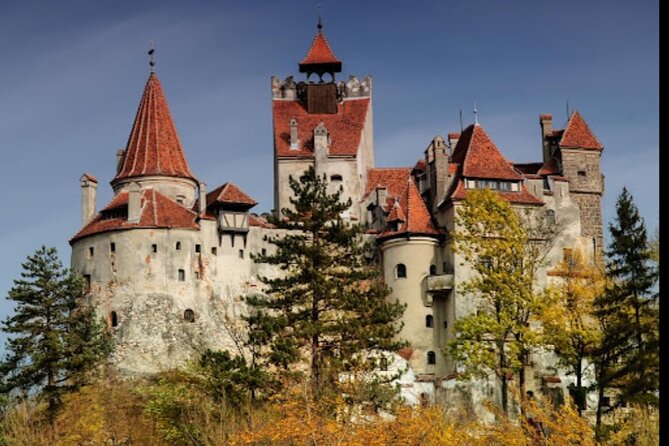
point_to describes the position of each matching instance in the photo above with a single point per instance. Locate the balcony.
(439, 282)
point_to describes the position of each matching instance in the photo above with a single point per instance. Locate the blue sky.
(72, 72)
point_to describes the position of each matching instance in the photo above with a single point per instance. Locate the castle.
(166, 261)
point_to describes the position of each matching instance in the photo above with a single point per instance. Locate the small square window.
(241, 253)
(198, 248)
(182, 275)
(582, 173)
(112, 247)
(214, 251)
(154, 248)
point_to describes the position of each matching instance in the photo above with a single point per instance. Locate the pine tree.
(505, 249)
(629, 311)
(54, 336)
(328, 306)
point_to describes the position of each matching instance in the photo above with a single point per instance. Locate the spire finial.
(476, 115)
(320, 22)
(152, 62)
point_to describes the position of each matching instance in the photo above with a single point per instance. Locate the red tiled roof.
(550, 167)
(454, 135)
(90, 177)
(345, 127)
(578, 134)
(255, 220)
(153, 146)
(396, 214)
(417, 219)
(228, 193)
(320, 52)
(156, 211)
(393, 179)
(521, 197)
(480, 158)
(420, 165)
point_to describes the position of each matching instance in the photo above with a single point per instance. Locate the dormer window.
(500, 185)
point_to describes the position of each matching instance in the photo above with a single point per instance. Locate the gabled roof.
(345, 127)
(411, 214)
(228, 193)
(480, 158)
(577, 134)
(320, 54)
(156, 211)
(393, 179)
(153, 146)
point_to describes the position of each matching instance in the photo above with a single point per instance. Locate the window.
(197, 275)
(213, 250)
(495, 185)
(198, 248)
(154, 248)
(189, 315)
(431, 358)
(400, 271)
(112, 247)
(91, 252)
(113, 319)
(263, 251)
(429, 321)
(433, 270)
(181, 199)
(445, 324)
(550, 216)
(336, 178)
(178, 246)
(582, 173)
(182, 275)
(87, 281)
(241, 253)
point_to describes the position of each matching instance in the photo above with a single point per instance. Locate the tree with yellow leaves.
(568, 320)
(505, 250)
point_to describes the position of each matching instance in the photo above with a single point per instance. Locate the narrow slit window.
(429, 321)
(198, 248)
(113, 319)
(182, 275)
(241, 253)
(154, 248)
(178, 246)
(112, 247)
(91, 252)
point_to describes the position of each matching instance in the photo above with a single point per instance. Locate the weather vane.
(152, 62)
(320, 23)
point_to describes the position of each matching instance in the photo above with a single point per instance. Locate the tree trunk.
(580, 396)
(505, 384)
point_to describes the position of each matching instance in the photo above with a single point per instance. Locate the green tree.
(328, 305)
(568, 319)
(628, 311)
(55, 338)
(505, 249)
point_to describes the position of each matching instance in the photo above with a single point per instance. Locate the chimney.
(321, 143)
(452, 142)
(120, 157)
(134, 203)
(203, 198)
(293, 134)
(89, 187)
(546, 123)
(440, 172)
(381, 196)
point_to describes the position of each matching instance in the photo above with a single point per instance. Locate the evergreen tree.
(328, 305)
(629, 311)
(54, 336)
(505, 249)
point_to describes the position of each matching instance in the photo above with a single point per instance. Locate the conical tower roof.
(320, 58)
(153, 146)
(577, 134)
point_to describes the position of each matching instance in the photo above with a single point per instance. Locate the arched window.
(429, 321)
(189, 315)
(178, 246)
(431, 358)
(113, 319)
(433, 270)
(401, 271)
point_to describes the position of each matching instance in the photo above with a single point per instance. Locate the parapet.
(352, 88)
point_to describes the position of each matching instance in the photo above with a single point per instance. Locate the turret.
(89, 187)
